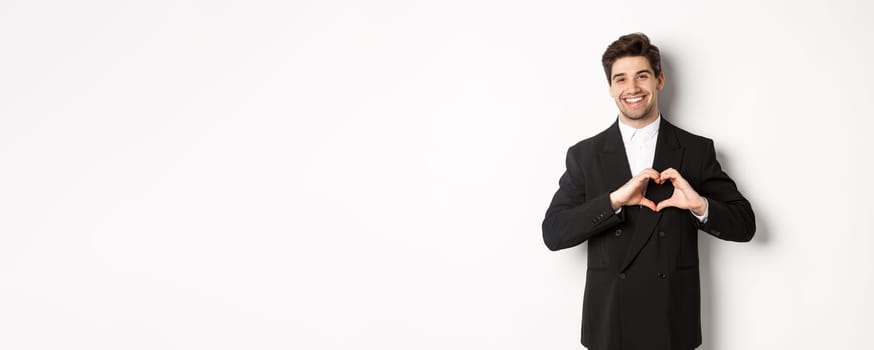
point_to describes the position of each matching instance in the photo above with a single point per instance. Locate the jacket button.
(622, 276)
(619, 232)
(715, 232)
(662, 275)
(661, 233)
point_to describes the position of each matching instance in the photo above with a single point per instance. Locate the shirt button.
(619, 232)
(662, 275)
(622, 276)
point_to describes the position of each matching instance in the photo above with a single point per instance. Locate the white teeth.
(633, 99)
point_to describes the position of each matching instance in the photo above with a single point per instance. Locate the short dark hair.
(635, 44)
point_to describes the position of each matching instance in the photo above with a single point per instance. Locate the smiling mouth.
(633, 101)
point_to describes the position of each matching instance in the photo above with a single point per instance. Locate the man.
(642, 284)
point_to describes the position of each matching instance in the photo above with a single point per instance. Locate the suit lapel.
(614, 160)
(668, 154)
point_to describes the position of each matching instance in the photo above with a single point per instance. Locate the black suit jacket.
(642, 283)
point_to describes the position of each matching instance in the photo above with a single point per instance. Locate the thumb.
(670, 202)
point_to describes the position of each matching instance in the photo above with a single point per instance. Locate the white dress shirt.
(640, 145)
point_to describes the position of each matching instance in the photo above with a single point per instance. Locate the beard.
(638, 114)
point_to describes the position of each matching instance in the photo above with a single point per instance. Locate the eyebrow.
(638, 72)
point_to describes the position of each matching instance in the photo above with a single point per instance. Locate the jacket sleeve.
(730, 214)
(574, 216)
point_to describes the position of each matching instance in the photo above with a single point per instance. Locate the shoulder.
(688, 139)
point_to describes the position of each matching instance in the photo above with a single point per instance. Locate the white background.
(373, 175)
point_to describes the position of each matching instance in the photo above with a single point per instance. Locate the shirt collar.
(648, 131)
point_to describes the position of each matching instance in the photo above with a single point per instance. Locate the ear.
(661, 84)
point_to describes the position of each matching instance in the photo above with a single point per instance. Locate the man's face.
(634, 87)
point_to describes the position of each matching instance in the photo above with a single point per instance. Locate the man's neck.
(639, 123)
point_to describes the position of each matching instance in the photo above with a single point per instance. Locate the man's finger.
(649, 174)
(670, 202)
(675, 178)
(669, 173)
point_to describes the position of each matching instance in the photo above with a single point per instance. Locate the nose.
(633, 87)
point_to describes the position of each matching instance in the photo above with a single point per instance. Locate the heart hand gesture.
(684, 196)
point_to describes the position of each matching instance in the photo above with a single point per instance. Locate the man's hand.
(684, 196)
(631, 193)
